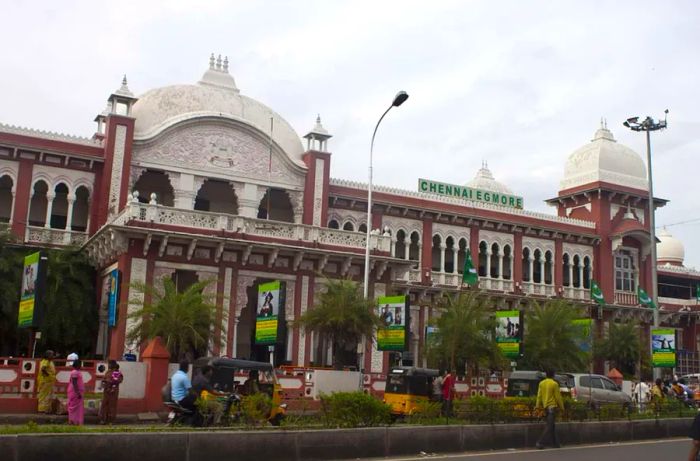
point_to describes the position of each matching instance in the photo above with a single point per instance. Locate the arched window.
(81, 210)
(548, 267)
(625, 270)
(566, 280)
(216, 196)
(495, 254)
(333, 224)
(527, 276)
(348, 227)
(437, 253)
(59, 208)
(507, 262)
(6, 184)
(537, 266)
(586, 272)
(400, 247)
(450, 255)
(577, 272)
(483, 250)
(362, 228)
(414, 248)
(461, 255)
(157, 182)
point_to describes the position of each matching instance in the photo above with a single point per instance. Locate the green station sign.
(468, 193)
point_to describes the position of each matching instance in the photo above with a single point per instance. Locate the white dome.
(603, 159)
(484, 180)
(669, 249)
(215, 95)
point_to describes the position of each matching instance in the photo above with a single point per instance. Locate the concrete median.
(273, 445)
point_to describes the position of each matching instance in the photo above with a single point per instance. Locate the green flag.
(644, 299)
(469, 275)
(597, 293)
(697, 293)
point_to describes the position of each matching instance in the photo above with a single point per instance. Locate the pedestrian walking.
(46, 382)
(640, 394)
(110, 393)
(76, 391)
(448, 391)
(437, 389)
(658, 394)
(549, 399)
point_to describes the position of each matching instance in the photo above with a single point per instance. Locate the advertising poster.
(28, 296)
(584, 339)
(393, 312)
(509, 333)
(663, 347)
(269, 309)
(112, 297)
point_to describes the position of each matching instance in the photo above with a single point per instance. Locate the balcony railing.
(49, 236)
(159, 214)
(539, 289)
(626, 298)
(582, 294)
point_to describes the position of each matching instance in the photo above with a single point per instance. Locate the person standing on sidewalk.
(448, 392)
(549, 400)
(46, 381)
(110, 393)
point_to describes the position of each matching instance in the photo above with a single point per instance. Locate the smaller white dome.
(484, 180)
(669, 249)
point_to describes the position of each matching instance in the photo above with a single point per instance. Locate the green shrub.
(256, 408)
(354, 409)
(425, 412)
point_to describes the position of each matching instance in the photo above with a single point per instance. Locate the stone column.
(407, 249)
(69, 216)
(500, 265)
(49, 209)
(580, 275)
(442, 257)
(488, 263)
(393, 246)
(542, 270)
(455, 258)
(570, 267)
(530, 261)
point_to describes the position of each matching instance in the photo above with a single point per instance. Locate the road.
(651, 450)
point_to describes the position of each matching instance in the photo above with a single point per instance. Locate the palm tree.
(342, 316)
(184, 320)
(71, 319)
(465, 334)
(621, 347)
(552, 340)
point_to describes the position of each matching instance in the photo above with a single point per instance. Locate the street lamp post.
(399, 99)
(648, 125)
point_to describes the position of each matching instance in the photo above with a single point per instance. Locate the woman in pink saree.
(76, 389)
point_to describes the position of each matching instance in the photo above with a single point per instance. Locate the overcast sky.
(520, 84)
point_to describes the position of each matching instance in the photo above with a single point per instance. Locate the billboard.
(392, 335)
(270, 309)
(112, 297)
(584, 339)
(30, 312)
(663, 347)
(509, 332)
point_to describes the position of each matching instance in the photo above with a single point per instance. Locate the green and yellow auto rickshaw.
(408, 388)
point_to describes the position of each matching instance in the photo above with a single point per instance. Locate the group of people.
(444, 391)
(643, 394)
(75, 390)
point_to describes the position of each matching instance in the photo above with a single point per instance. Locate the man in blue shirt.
(180, 387)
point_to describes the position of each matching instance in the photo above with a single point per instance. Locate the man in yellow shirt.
(549, 399)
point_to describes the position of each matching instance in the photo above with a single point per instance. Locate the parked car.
(524, 383)
(597, 390)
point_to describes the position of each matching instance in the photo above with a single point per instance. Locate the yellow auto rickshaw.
(244, 377)
(407, 388)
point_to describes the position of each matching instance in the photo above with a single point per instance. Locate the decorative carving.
(228, 278)
(137, 275)
(304, 306)
(117, 166)
(318, 192)
(220, 151)
(502, 239)
(538, 244)
(242, 284)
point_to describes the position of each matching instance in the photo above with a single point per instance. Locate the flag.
(597, 293)
(644, 299)
(697, 293)
(469, 275)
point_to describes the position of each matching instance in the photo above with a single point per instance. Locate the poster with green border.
(268, 313)
(584, 339)
(27, 303)
(663, 347)
(509, 333)
(393, 312)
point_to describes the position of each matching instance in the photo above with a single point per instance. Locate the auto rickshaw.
(407, 388)
(243, 377)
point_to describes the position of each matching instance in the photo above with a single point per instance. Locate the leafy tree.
(184, 320)
(551, 338)
(71, 320)
(621, 347)
(342, 316)
(10, 284)
(465, 334)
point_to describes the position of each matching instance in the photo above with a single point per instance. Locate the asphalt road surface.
(651, 450)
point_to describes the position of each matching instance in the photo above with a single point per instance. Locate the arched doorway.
(81, 209)
(38, 204)
(216, 196)
(156, 182)
(280, 206)
(6, 184)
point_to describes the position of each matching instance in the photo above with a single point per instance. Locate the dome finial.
(218, 63)
(211, 61)
(226, 64)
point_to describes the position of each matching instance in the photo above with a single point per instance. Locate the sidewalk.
(40, 418)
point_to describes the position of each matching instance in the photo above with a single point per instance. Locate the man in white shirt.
(640, 395)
